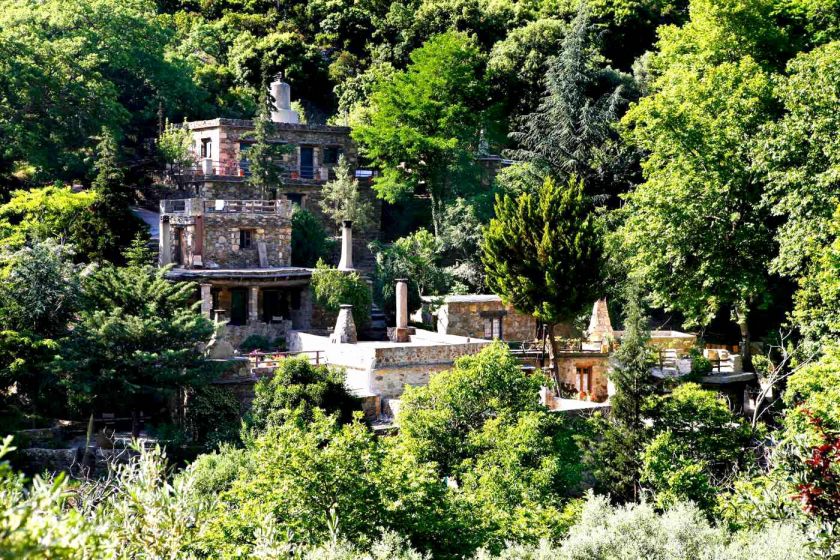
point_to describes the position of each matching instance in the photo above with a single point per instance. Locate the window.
(246, 238)
(493, 327)
(207, 148)
(331, 154)
(295, 198)
(584, 379)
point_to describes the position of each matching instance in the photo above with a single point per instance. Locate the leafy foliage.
(341, 199)
(414, 258)
(298, 388)
(332, 287)
(423, 123)
(135, 339)
(309, 239)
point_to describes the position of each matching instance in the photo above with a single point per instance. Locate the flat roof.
(273, 273)
(247, 123)
(462, 298)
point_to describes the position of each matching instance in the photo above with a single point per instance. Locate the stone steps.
(378, 327)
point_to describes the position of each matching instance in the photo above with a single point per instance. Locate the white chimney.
(401, 334)
(346, 261)
(282, 94)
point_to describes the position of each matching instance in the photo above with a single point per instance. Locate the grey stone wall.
(221, 240)
(468, 318)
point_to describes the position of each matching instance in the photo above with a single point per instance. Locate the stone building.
(233, 238)
(478, 316)
(220, 168)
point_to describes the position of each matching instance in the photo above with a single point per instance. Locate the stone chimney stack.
(401, 334)
(282, 111)
(345, 328)
(346, 262)
(600, 327)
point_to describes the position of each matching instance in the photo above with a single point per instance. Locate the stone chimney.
(346, 262)
(345, 328)
(401, 332)
(282, 111)
(600, 327)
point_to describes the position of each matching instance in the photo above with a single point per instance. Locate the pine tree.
(612, 451)
(571, 133)
(632, 365)
(542, 254)
(135, 342)
(113, 226)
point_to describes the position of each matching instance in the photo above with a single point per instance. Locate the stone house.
(233, 238)
(220, 167)
(477, 315)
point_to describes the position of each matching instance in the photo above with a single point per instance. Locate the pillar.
(164, 243)
(346, 262)
(401, 334)
(253, 303)
(207, 300)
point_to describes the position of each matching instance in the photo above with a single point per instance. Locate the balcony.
(207, 169)
(199, 206)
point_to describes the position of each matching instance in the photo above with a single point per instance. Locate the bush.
(310, 241)
(300, 386)
(332, 287)
(256, 342)
(414, 257)
(213, 416)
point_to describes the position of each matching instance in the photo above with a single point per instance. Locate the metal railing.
(204, 168)
(220, 206)
(272, 360)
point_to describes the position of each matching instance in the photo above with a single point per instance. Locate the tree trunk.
(743, 325)
(555, 366)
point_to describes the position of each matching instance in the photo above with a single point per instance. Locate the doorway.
(307, 162)
(275, 305)
(238, 306)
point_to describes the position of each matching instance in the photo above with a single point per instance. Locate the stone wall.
(468, 319)
(568, 364)
(236, 334)
(221, 234)
(226, 135)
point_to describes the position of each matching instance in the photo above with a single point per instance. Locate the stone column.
(346, 262)
(164, 243)
(207, 300)
(401, 334)
(345, 327)
(253, 302)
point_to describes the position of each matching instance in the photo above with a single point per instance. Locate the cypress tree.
(542, 253)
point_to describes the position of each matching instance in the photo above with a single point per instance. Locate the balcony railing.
(247, 206)
(205, 168)
(196, 206)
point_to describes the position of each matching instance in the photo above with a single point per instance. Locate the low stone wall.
(236, 334)
(469, 318)
(384, 368)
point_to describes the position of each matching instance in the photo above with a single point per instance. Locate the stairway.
(377, 329)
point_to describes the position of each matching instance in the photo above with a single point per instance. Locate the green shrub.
(310, 241)
(213, 416)
(332, 287)
(297, 384)
(256, 342)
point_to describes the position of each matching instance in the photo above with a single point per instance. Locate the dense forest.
(681, 158)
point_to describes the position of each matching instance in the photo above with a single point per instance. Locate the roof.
(249, 124)
(465, 298)
(275, 273)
